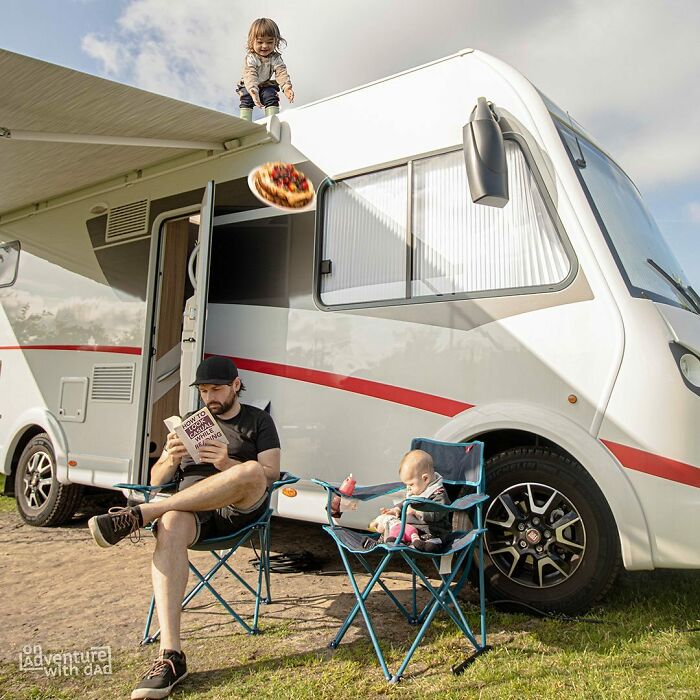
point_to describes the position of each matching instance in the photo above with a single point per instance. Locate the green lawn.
(647, 645)
(7, 504)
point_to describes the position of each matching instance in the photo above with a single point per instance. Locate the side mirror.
(485, 157)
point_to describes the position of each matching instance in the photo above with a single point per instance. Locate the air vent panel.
(113, 383)
(127, 221)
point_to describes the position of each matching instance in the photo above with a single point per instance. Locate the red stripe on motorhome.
(387, 392)
(630, 457)
(120, 349)
(355, 385)
(648, 463)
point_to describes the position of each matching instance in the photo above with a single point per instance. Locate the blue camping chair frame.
(461, 466)
(222, 549)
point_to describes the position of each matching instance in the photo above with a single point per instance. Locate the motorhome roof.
(45, 98)
(462, 52)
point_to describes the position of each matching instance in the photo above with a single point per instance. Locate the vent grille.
(114, 383)
(127, 220)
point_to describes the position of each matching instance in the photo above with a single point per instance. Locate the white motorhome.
(558, 329)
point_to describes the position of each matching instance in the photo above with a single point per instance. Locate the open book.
(196, 430)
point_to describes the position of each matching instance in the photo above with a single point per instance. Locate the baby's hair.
(423, 462)
(265, 27)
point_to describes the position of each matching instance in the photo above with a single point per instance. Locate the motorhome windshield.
(631, 232)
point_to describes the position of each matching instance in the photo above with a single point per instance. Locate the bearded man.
(221, 492)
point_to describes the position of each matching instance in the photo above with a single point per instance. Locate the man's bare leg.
(169, 573)
(242, 486)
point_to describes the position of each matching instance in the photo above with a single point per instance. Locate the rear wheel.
(41, 499)
(552, 542)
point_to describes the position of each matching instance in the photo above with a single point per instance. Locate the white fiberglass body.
(567, 342)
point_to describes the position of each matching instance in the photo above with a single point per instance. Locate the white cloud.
(110, 53)
(622, 69)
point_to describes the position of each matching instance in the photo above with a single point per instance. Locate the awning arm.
(106, 140)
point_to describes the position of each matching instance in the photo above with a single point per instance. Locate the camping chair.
(461, 466)
(222, 549)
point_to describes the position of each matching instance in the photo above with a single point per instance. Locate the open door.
(195, 317)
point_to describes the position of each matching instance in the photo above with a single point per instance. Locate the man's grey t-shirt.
(250, 432)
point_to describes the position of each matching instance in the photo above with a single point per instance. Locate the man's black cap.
(215, 370)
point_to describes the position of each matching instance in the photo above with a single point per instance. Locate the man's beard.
(217, 408)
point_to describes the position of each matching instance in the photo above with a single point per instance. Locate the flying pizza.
(281, 184)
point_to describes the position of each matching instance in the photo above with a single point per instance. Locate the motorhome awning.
(62, 130)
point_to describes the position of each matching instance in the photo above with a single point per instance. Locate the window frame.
(16, 272)
(634, 290)
(408, 299)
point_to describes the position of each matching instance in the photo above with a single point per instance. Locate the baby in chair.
(425, 530)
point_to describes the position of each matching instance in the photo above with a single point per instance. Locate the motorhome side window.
(450, 245)
(9, 261)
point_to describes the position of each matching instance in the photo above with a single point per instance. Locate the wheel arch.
(28, 425)
(502, 426)
(14, 453)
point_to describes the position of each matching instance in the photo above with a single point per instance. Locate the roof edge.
(458, 54)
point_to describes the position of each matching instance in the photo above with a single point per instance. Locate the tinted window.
(249, 263)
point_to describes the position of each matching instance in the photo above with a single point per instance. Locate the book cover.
(196, 430)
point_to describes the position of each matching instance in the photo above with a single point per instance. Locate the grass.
(646, 645)
(7, 504)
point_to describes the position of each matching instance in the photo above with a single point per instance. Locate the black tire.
(41, 500)
(564, 568)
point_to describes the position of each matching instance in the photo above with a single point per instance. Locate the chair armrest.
(285, 479)
(425, 504)
(147, 491)
(464, 503)
(363, 493)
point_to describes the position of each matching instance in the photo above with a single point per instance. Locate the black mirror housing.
(485, 157)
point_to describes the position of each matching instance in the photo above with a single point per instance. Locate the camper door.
(195, 316)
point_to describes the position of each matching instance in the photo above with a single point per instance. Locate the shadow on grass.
(640, 609)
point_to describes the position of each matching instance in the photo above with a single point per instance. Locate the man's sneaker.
(165, 672)
(115, 525)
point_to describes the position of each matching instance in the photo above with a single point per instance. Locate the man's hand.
(216, 453)
(175, 448)
(289, 93)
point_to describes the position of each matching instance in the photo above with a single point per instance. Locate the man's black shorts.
(224, 521)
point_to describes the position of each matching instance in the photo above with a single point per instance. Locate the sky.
(626, 70)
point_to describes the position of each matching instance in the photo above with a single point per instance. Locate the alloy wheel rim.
(535, 537)
(37, 480)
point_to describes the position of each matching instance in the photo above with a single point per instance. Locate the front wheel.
(41, 500)
(552, 542)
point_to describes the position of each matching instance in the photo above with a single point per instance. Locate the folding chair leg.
(439, 598)
(216, 595)
(149, 618)
(263, 571)
(482, 591)
(265, 561)
(415, 601)
(361, 606)
(410, 618)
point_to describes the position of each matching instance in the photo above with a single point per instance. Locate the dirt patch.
(63, 592)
